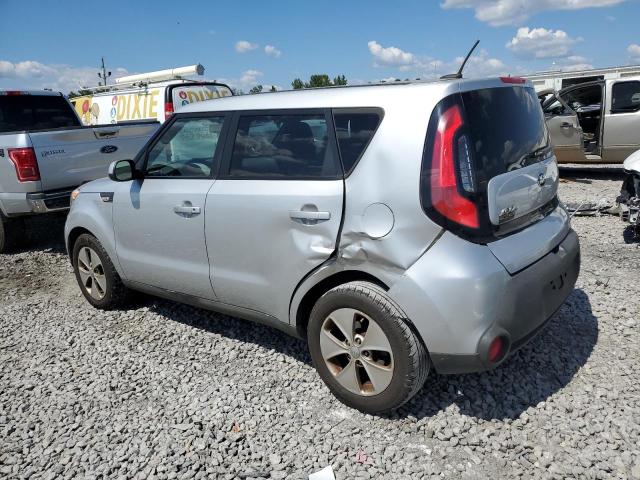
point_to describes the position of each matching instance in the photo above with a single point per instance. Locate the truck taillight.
(451, 147)
(24, 159)
(168, 110)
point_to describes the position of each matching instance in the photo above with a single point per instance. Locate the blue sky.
(58, 44)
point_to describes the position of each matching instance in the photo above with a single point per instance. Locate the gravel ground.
(168, 391)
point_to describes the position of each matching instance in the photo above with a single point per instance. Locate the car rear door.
(621, 135)
(564, 130)
(275, 212)
(159, 224)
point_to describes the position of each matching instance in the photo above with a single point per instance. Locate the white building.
(558, 79)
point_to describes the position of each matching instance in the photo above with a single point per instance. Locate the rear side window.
(282, 147)
(507, 129)
(625, 97)
(35, 112)
(354, 131)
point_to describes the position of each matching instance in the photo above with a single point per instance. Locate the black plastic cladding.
(485, 233)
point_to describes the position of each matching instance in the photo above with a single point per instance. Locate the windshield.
(507, 129)
(35, 112)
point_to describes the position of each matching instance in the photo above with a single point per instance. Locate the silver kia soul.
(398, 228)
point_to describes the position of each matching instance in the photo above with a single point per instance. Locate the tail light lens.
(451, 170)
(168, 110)
(24, 160)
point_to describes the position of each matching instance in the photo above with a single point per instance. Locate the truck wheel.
(11, 233)
(97, 277)
(364, 350)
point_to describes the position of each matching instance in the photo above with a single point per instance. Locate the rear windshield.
(507, 129)
(35, 112)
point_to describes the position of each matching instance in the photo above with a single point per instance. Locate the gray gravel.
(168, 391)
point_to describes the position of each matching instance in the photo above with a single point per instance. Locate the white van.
(150, 96)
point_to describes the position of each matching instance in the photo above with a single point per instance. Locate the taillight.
(24, 159)
(451, 154)
(514, 80)
(168, 110)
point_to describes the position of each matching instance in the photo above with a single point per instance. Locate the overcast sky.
(58, 44)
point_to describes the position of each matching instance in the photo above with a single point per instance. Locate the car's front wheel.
(97, 277)
(364, 349)
(11, 233)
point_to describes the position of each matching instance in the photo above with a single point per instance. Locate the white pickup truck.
(46, 152)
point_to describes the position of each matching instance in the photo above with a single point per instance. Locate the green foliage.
(256, 89)
(340, 80)
(319, 80)
(273, 89)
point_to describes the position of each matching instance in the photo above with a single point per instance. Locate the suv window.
(186, 149)
(35, 112)
(354, 131)
(625, 97)
(283, 146)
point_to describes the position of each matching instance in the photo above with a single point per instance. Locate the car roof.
(49, 93)
(375, 95)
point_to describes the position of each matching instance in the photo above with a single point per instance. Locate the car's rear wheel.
(97, 277)
(364, 349)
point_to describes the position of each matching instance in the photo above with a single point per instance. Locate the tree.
(319, 80)
(79, 93)
(273, 88)
(256, 89)
(340, 80)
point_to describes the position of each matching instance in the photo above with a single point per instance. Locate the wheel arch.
(311, 296)
(72, 237)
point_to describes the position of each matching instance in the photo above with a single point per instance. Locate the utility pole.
(104, 75)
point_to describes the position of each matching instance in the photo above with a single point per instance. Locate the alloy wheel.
(356, 351)
(91, 273)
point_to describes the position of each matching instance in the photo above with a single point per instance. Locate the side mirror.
(122, 170)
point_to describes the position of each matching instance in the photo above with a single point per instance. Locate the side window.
(625, 97)
(354, 131)
(186, 149)
(552, 106)
(283, 146)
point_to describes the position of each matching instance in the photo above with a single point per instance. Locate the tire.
(96, 276)
(11, 233)
(402, 363)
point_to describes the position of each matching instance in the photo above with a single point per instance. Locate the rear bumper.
(471, 299)
(20, 204)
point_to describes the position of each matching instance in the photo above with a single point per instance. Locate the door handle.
(304, 215)
(186, 210)
(566, 125)
(106, 133)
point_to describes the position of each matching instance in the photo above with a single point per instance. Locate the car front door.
(159, 223)
(622, 121)
(275, 212)
(564, 130)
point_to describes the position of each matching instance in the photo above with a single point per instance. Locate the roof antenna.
(459, 73)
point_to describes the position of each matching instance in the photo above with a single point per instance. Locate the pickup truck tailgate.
(70, 158)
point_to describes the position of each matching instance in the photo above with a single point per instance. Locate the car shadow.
(230, 327)
(42, 233)
(528, 377)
